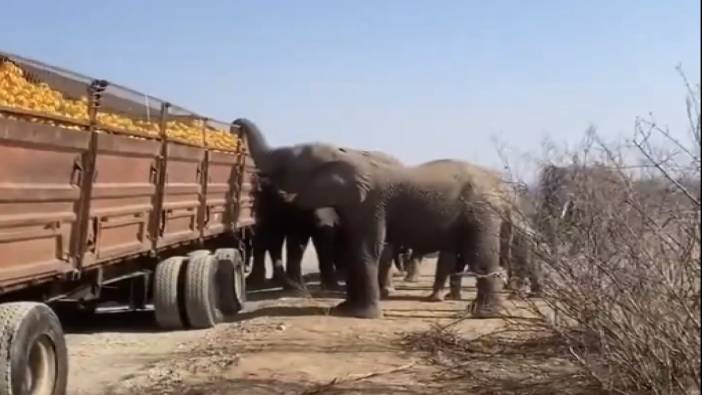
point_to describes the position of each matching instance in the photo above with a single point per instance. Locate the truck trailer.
(111, 195)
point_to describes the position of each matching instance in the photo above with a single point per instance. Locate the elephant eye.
(342, 149)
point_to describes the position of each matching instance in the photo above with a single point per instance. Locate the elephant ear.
(342, 182)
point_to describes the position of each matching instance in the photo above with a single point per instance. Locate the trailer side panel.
(121, 205)
(40, 170)
(181, 200)
(222, 177)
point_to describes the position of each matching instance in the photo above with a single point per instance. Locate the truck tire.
(33, 356)
(201, 292)
(231, 281)
(168, 298)
(194, 253)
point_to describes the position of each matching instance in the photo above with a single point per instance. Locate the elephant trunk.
(260, 150)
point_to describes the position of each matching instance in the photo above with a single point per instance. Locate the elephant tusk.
(566, 207)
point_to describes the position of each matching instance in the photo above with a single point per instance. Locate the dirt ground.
(278, 345)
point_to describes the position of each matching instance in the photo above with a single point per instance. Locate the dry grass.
(517, 360)
(621, 271)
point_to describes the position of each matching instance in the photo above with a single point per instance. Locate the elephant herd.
(364, 209)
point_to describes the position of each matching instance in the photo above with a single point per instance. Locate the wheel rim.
(40, 376)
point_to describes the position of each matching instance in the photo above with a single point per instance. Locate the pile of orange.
(16, 91)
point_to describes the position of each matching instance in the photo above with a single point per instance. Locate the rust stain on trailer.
(39, 173)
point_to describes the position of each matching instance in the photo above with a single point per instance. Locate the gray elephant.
(569, 197)
(412, 264)
(407, 262)
(515, 260)
(444, 205)
(279, 222)
(409, 259)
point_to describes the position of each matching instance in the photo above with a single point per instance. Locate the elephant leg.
(456, 279)
(522, 258)
(344, 260)
(257, 278)
(275, 250)
(506, 242)
(362, 289)
(535, 279)
(385, 271)
(412, 267)
(519, 264)
(482, 249)
(296, 244)
(398, 259)
(340, 255)
(444, 266)
(323, 241)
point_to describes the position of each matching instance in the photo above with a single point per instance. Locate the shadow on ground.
(281, 311)
(127, 321)
(273, 292)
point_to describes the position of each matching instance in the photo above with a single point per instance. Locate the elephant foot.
(340, 276)
(436, 296)
(297, 292)
(289, 284)
(330, 286)
(412, 277)
(295, 288)
(398, 273)
(515, 284)
(386, 292)
(491, 308)
(356, 310)
(280, 279)
(255, 282)
(454, 295)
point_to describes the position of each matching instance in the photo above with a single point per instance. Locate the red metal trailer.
(90, 212)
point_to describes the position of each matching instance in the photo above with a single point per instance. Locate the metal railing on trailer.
(102, 185)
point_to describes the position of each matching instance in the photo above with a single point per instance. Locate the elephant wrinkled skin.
(278, 222)
(446, 205)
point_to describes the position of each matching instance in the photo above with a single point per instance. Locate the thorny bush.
(620, 257)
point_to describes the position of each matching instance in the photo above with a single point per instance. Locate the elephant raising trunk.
(444, 205)
(257, 144)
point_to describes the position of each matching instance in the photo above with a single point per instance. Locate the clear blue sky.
(419, 79)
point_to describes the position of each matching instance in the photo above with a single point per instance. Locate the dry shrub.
(514, 360)
(622, 264)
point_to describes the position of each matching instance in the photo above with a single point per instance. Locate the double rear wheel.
(200, 290)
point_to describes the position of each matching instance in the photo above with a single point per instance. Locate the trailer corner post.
(95, 90)
(204, 216)
(158, 217)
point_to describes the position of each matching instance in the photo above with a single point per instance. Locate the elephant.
(569, 197)
(515, 259)
(406, 258)
(278, 222)
(400, 258)
(412, 266)
(444, 205)
(407, 263)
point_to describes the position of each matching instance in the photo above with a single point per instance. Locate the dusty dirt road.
(279, 345)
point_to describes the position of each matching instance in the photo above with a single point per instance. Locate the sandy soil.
(279, 345)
